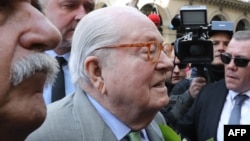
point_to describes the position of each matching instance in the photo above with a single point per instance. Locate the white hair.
(242, 35)
(100, 28)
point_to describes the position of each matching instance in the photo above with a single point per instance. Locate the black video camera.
(194, 47)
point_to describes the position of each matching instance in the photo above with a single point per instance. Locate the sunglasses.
(238, 61)
(181, 65)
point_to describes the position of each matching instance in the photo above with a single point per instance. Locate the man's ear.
(94, 72)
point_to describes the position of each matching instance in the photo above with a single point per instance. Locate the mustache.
(37, 62)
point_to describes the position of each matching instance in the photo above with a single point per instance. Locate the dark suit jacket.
(201, 122)
(75, 119)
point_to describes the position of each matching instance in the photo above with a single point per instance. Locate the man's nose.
(40, 34)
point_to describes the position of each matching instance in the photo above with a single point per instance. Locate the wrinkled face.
(25, 31)
(179, 72)
(65, 14)
(135, 86)
(238, 78)
(220, 42)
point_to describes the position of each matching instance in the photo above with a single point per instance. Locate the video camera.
(194, 46)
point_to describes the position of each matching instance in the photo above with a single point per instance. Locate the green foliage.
(211, 139)
(169, 134)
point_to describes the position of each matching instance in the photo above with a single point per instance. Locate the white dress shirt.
(226, 111)
(69, 86)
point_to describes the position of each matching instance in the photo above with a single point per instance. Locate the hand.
(196, 85)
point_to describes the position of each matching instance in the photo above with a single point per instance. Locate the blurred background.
(163, 11)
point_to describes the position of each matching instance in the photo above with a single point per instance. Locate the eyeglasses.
(181, 65)
(238, 61)
(154, 49)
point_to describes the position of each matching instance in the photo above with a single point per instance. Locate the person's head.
(220, 40)
(179, 71)
(65, 15)
(24, 68)
(117, 58)
(236, 60)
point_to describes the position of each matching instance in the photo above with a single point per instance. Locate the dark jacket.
(201, 121)
(179, 103)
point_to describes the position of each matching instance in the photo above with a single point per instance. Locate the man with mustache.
(25, 34)
(65, 15)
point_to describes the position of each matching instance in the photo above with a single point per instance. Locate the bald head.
(118, 19)
(119, 15)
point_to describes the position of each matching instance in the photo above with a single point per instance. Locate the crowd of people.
(185, 89)
(213, 106)
(119, 80)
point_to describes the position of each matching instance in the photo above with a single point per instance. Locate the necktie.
(58, 89)
(236, 111)
(134, 136)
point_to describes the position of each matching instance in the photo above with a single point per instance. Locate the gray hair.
(100, 28)
(30, 64)
(242, 35)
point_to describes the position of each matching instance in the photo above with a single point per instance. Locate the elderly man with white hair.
(120, 69)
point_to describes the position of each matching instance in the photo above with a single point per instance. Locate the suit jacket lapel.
(154, 132)
(93, 122)
(217, 104)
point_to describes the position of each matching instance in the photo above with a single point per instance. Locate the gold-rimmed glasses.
(154, 49)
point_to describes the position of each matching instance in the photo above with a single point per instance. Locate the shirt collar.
(233, 94)
(119, 129)
(54, 54)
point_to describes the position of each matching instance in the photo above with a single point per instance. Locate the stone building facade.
(236, 11)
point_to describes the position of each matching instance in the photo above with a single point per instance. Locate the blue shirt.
(69, 86)
(119, 129)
